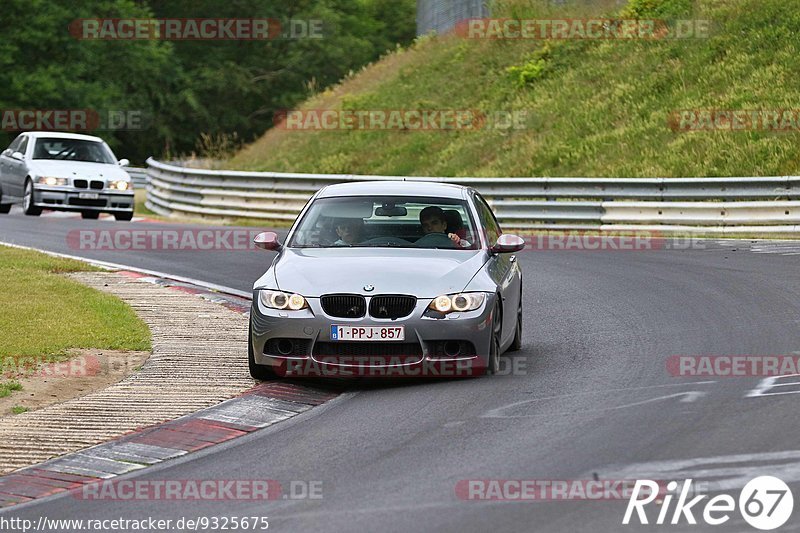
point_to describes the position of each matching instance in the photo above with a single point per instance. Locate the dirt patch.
(84, 372)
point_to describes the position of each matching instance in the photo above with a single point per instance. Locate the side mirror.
(267, 240)
(507, 244)
(124, 162)
(18, 155)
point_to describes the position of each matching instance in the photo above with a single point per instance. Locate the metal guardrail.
(139, 177)
(723, 205)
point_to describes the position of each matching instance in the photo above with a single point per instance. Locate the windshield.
(389, 221)
(73, 150)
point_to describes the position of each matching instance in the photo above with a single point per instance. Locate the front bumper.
(69, 199)
(425, 335)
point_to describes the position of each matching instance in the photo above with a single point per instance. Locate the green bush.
(533, 69)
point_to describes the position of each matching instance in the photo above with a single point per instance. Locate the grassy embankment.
(595, 107)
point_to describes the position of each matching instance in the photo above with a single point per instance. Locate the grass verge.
(44, 314)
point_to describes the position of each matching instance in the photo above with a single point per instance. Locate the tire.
(259, 372)
(4, 208)
(493, 365)
(28, 200)
(123, 216)
(91, 215)
(516, 344)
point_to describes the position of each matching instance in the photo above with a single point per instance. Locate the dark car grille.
(85, 184)
(344, 305)
(100, 202)
(367, 353)
(391, 306)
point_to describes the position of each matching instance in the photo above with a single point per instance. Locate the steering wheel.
(387, 240)
(435, 240)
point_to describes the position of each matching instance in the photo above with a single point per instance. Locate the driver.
(349, 231)
(432, 220)
(82, 153)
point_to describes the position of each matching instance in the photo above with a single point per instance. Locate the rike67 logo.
(766, 503)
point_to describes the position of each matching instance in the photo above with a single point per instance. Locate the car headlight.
(282, 300)
(51, 180)
(120, 185)
(456, 303)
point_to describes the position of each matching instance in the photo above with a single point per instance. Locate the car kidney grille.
(391, 306)
(344, 305)
(81, 184)
(97, 184)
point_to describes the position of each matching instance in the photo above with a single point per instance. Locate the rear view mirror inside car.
(391, 211)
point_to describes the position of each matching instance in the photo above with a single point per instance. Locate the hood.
(422, 273)
(77, 169)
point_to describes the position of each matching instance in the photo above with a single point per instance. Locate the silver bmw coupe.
(390, 278)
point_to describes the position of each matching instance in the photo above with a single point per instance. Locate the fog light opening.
(285, 346)
(452, 348)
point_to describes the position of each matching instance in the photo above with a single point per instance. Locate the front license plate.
(368, 333)
(87, 195)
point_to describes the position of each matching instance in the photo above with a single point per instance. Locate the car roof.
(395, 188)
(62, 135)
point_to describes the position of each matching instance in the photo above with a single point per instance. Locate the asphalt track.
(591, 396)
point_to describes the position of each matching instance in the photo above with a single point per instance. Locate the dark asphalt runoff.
(589, 397)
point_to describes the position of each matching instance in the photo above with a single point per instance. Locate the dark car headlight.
(457, 303)
(282, 300)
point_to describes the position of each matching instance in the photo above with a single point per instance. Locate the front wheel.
(5, 208)
(28, 200)
(259, 372)
(91, 215)
(123, 216)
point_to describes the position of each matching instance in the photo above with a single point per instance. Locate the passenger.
(432, 220)
(349, 231)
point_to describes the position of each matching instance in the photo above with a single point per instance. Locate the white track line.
(155, 273)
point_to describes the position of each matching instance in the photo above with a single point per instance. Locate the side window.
(488, 221)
